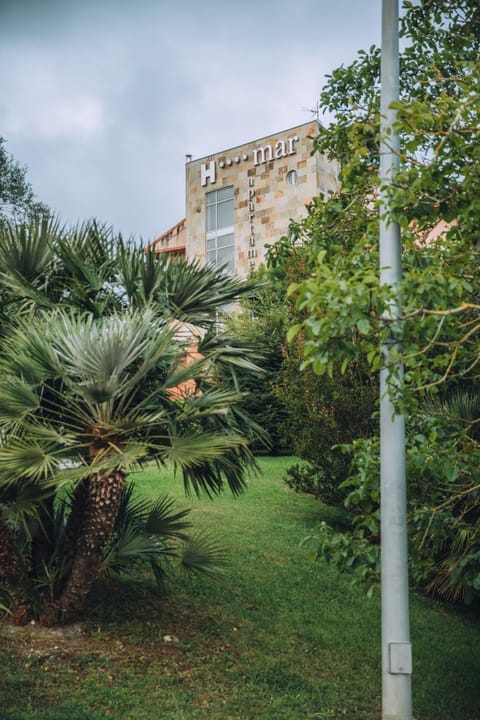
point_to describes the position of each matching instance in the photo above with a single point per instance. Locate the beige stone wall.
(264, 201)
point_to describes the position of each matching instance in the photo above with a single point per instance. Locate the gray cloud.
(102, 99)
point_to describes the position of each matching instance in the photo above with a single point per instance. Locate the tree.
(90, 363)
(435, 201)
(17, 199)
(261, 321)
(301, 413)
(321, 414)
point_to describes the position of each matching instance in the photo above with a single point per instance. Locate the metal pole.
(396, 648)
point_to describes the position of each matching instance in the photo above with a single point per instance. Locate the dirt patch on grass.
(79, 640)
(33, 640)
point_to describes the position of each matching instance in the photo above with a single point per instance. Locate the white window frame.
(214, 236)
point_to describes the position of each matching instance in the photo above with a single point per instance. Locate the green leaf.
(363, 326)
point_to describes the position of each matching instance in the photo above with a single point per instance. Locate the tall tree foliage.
(261, 320)
(321, 414)
(435, 199)
(17, 199)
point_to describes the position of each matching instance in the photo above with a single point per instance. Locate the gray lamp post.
(396, 648)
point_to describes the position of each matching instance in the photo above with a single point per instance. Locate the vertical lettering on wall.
(252, 253)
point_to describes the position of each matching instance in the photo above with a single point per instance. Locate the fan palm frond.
(26, 255)
(181, 289)
(21, 506)
(462, 405)
(19, 399)
(444, 582)
(87, 258)
(141, 275)
(163, 520)
(23, 500)
(128, 271)
(229, 351)
(22, 458)
(28, 353)
(195, 293)
(249, 427)
(192, 450)
(145, 531)
(229, 469)
(108, 358)
(102, 348)
(158, 517)
(132, 548)
(214, 401)
(203, 554)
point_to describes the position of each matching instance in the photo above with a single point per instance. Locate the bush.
(443, 501)
(312, 479)
(261, 321)
(324, 414)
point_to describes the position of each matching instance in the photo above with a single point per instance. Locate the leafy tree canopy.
(435, 199)
(17, 199)
(340, 305)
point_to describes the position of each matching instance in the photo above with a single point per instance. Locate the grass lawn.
(278, 638)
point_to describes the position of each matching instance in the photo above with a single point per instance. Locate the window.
(220, 231)
(292, 177)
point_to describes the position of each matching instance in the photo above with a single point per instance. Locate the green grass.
(278, 638)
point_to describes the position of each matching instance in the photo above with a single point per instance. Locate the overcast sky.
(102, 99)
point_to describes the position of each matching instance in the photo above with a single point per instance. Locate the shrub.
(309, 478)
(443, 501)
(325, 414)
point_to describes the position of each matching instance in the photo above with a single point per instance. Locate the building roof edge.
(255, 140)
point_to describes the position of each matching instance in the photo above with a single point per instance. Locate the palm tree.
(87, 396)
(85, 399)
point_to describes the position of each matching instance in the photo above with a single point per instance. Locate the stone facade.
(272, 180)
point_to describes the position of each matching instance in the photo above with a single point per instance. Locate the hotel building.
(242, 199)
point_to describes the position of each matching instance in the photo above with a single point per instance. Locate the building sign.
(261, 155)
(208, 172)
(282, 148)
(252, 251)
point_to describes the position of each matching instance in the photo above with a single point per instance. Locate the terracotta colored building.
(172, 241)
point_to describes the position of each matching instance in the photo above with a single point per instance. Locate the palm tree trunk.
(75, 521)
(101, 509)
(15, 575)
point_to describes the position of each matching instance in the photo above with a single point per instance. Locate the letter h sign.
(208, 173)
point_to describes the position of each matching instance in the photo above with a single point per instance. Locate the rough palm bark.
(14, 573)
(75, 521)
(101, 509)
